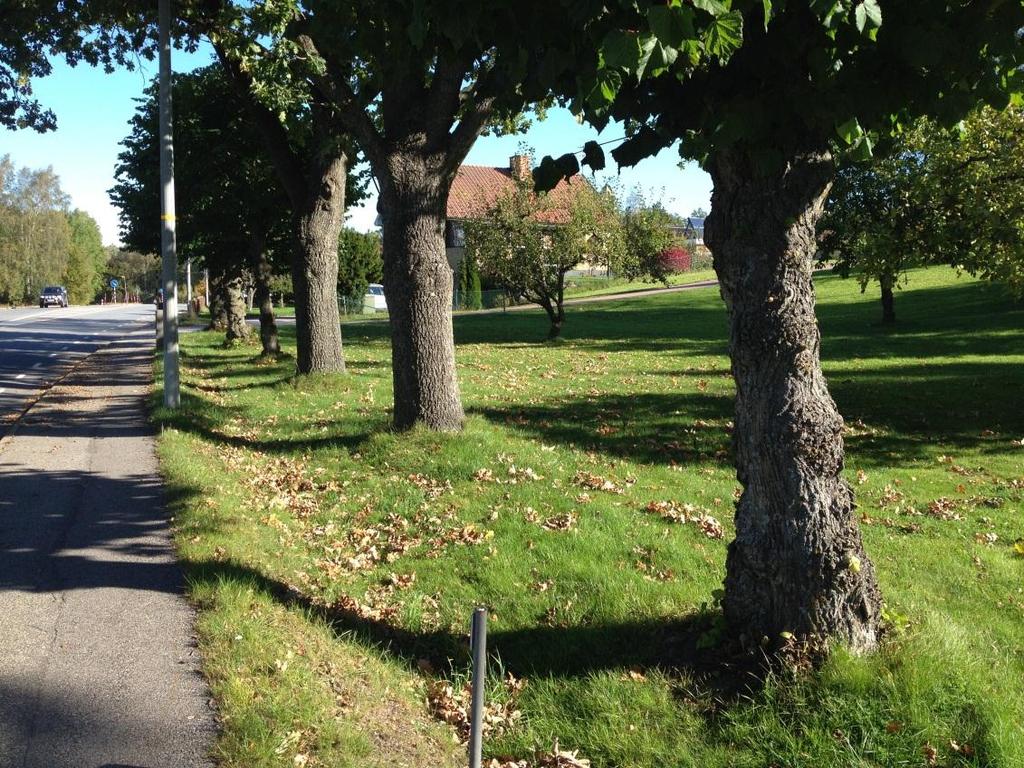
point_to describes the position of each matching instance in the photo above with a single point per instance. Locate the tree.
(765, 118)
(470, 288)
(34, 231)
(87, 258)
(698, 213)
(938, 196)
(873, 223)
(973, 183)
(137, 273)
(414, 84)
(647, 234)
(34, 32)
(233, 216)
(527, 243)
(359, 262)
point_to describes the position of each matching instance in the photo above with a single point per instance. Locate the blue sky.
(93, 110)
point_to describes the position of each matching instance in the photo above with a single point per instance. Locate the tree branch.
(351, 113)
(275, 137)
(443, 96)
(470, 125)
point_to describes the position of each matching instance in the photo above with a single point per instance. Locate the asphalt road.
(38, 346)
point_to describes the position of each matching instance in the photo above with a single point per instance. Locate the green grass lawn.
(582, 287)
(336, 564)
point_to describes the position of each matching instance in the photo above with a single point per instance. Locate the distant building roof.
(478, 187)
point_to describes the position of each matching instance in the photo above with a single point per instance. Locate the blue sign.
(113, 283)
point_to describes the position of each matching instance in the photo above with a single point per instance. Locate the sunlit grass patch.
(588, 505)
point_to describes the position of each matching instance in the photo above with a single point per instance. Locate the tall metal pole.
(168, 245)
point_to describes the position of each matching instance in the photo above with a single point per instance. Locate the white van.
(374, 298)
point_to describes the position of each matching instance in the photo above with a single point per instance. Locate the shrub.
(676, 259)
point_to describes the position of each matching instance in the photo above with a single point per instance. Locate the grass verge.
(588, 505)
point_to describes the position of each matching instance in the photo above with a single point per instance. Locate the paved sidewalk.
(98, 664)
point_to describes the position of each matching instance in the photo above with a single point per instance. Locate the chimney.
(521, 166)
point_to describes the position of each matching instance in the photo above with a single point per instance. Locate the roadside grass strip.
(588, 505)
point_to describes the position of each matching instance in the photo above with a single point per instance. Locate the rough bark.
(888, 309)
(218, 304)
(234, 292)
(418, 288)
(314, 181)
(797, 564)
(318, 222)
(261, 270)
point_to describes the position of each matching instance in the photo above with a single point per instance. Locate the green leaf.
(671, 25)
(714, 7)
(767, 12)
(621, 50)
(874, 12)
(567, 165)
(868, 14)
(659, 59)
(644, 143)
(863, 149)
(724, 35)
(605, 90)
(593, 156)
(850, 131)
(647, 47)
(546, 175)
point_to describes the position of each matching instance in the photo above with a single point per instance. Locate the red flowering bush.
(676, 259)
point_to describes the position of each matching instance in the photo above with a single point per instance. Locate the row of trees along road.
(938, 197)
(42, 242)
(764, 94)
(234, 215)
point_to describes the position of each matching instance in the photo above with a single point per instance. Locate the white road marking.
(20, 376)
(1, 390)
(53, 354)
(27, 317)
(37, 365)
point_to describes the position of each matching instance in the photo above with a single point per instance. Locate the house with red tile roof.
(478, 187)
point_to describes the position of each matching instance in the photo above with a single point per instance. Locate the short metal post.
(478, 647)
(159, 329)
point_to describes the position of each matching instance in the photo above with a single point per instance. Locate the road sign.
(113, 284)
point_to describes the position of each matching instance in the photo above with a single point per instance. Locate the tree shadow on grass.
(208, 421)
(651, 428)
(673, 646)
(907, 409)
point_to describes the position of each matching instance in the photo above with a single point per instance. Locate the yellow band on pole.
(168, 217)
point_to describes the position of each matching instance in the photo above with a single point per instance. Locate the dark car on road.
(54, 296)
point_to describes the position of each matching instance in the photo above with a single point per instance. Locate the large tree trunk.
(418, 288)
(797, 564)
(218, 303)
(234, 291)
(318, 223)
(261, 270)
(888, 310)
